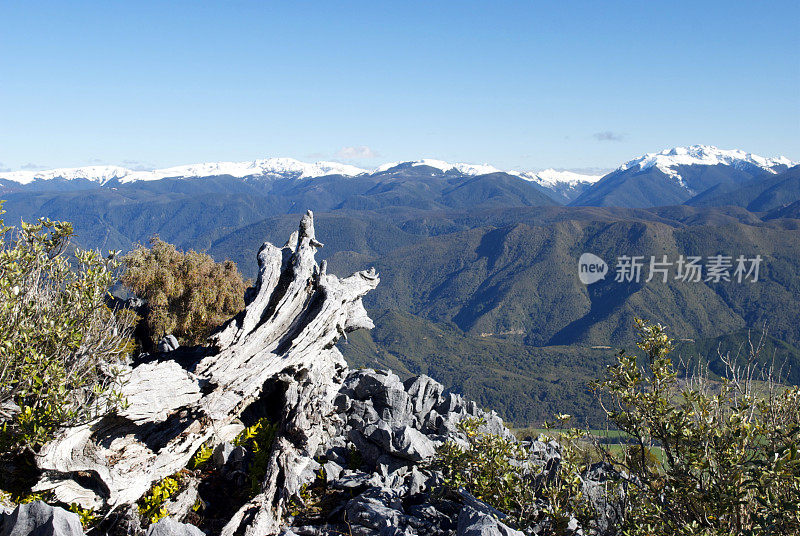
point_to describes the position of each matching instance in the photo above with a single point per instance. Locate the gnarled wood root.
(283, 341)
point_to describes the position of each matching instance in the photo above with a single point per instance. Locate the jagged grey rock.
(402, 441)
(40, 519)
(170, 527)
(473, 522)
(281, 345)
(168, 344)
(424, 392)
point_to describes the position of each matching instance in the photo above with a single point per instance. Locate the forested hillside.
(479, 274)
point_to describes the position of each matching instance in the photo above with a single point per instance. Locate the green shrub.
(87, 516)
(485, 467)
(695, 457)
(60, 345)
(188, 294)
(496, 470)
(728, 458)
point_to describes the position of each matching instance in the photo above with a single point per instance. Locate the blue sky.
(515, 84)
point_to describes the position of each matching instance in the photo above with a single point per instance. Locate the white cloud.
(356, 152)
(608, 135)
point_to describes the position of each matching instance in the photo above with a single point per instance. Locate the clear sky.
(515, 84)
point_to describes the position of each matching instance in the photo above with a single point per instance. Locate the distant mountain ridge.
(672, 176)
(276, 167)
(562, 186)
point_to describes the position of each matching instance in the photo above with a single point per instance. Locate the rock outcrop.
(39, 519)
(379, 478)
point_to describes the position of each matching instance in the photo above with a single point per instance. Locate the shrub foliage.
(499, 471)
(60, 345)
(698, 457)
(188, 294)
(704, 457)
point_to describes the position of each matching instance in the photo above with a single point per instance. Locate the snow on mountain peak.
(101, 174)
(466, 169)
(705, 155)
(278, 167)
(550, 178)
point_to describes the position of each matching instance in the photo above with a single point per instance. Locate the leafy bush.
(87, 516)
(202, 456)
(188, 294)
(696, 457)
(485, 468)
(729, 460)
(498, 471)
(60, 345)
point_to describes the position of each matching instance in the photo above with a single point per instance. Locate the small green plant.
(257, 439)
(152, 505)
(563, 494)
(87, 517)
(297, 504)
(485, 467)
(354, 459)
(202, 456)
(497, 470)
(27, 498)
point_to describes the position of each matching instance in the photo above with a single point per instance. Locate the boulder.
(424, 392)
(401, 441)
(40, 519)
(378, 508)
(170, 527)
(472, 522)
(168, 344)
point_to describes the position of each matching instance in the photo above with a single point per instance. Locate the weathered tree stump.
(280, 351)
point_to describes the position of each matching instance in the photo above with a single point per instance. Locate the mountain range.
(672, 176)
(479, 285)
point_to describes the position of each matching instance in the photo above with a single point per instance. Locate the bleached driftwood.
(283, 342)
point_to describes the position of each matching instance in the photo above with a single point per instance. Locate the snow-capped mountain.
(674, 176)
(669, 160)
(551, 178)
(270, 167)
(441, 165)
(566, 185)
(562, 185)
(99, 174)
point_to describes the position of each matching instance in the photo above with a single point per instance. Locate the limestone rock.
(472, 522)
(168, 344)
(170, 527)
(40, 519)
